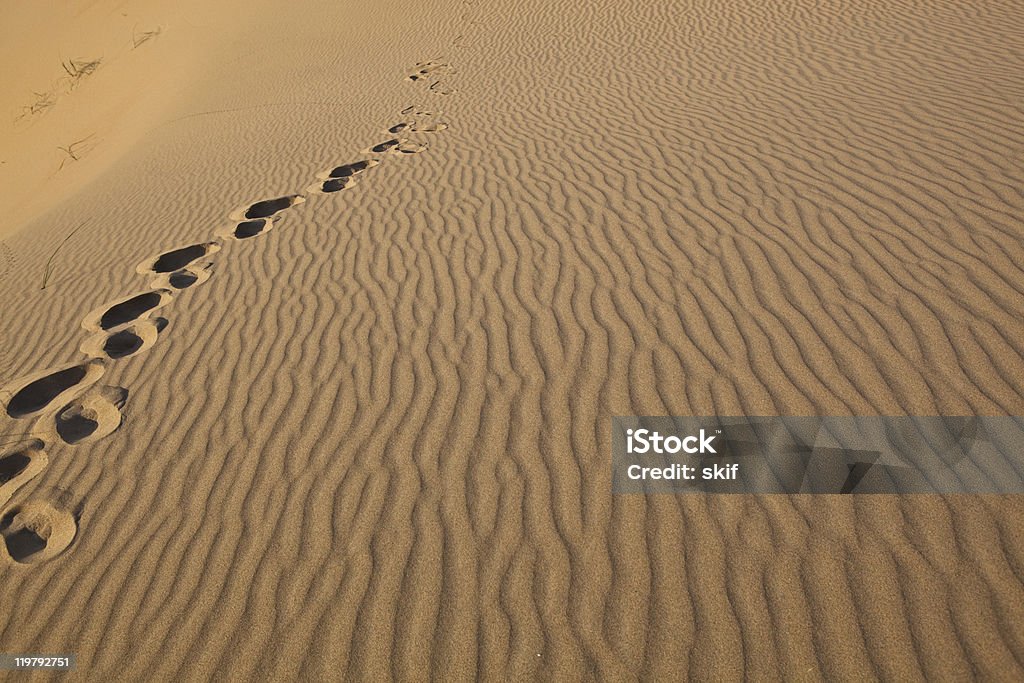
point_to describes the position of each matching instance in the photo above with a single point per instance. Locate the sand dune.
(308, 356)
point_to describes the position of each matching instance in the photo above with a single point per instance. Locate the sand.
(362, 431)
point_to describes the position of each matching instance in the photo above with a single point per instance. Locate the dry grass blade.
(44, 100)
(139, 38)
(78, 69)
(42, 104)
(72, 150)
(49, 262)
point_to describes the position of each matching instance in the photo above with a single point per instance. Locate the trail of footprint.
(18, 465)
(36, 531)
(128, 341)
(35, 393)
(126, 310)
(91, 417)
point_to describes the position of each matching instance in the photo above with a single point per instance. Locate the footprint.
(341, 177)
(417, 127)
(125, 342)
(91, 417)
(36, 531)
(398, 146)
(246, 229)
(386, 146)
(438, 88)
(353, 169)
(124, 311)
(192, 274)
(411, 109)
(177, 259)
(267, 208)
(424, 69)
(33, 394)
(18, 465)
(332, 185)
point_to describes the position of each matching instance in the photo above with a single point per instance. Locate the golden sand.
(364, 432)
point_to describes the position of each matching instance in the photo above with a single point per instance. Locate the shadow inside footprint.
(247, 229)
(439, 89)
(182, 279)
(268, 207)
(130, 310)
(348, 170)
(179, 258)
(427, 68)
(341, 177)
(335, 184)
(398, 146)
(36, 531)
(93, 416)
(114, 314)
(23, 543)
(409, 147)
(18, 465)
(193, 274)
(12, 465)
(36, 395)
(123, 343)
(76, 427)
(385, 146)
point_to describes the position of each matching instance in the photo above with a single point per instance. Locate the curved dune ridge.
(374, 443)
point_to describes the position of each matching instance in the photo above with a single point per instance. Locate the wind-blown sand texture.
(331, 406)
